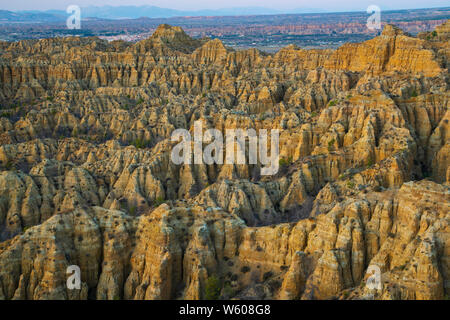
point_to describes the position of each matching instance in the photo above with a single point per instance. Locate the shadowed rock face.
(86, 177)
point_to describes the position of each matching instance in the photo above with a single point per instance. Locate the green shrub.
(159, 201)
(132, 210)
(140, 143)
(212, 288)
(228, 291)
(285, 162)
(351, 184)
(9, 165)
(332, 103)
(331, 145)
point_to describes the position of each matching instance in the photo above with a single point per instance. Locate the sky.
(328, 5)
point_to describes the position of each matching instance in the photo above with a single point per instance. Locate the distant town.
(265, 32)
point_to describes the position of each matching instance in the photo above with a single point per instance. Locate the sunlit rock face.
(87, 178)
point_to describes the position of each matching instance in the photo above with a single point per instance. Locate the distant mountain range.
(35, 16)
(134, 12)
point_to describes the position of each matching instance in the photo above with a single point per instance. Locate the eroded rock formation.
(86, 177)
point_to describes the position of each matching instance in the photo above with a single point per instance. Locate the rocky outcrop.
(86, 176)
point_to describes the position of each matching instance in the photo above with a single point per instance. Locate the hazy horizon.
(326, 5)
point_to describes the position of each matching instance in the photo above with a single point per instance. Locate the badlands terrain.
(86, 177)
